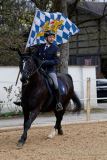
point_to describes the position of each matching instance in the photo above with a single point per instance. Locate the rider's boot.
(59, 106)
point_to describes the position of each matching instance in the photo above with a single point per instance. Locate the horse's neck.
(37, 79)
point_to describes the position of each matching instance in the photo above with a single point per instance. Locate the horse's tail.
(75, 99)
(77, 103)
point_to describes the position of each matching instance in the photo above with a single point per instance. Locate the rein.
(17, 77)
(39, 67)
(34, 67)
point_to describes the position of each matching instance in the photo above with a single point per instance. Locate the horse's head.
(27, 67)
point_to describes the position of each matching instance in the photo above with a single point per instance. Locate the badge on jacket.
(58, 54)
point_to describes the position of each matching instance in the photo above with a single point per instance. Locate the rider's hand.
(49, 62)
(45, 63)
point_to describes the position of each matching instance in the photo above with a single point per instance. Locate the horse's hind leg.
(57, 128)
(77, 103)
(59, 117)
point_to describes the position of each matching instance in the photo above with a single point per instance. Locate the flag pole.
(24, 52)
(17, 77)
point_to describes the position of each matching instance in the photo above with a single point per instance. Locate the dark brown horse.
(37, 95)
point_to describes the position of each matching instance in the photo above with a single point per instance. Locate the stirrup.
(59, 107)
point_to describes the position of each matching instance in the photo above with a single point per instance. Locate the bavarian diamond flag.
(57, 22)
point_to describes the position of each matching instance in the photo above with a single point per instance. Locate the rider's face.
(50, 38)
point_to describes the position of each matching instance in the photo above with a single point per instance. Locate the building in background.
(89, 47)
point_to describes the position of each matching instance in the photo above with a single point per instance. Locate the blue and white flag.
(57, 22)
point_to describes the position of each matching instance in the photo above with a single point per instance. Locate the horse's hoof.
(60, 132)
(52, 134)
(20, 144)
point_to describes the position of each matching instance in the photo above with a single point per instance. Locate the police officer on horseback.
(49, 54)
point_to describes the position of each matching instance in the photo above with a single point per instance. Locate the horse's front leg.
(23, 137)
(27, 124)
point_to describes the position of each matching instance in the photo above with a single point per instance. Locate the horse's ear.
(28, 50)
(19, 52)
(16, 49)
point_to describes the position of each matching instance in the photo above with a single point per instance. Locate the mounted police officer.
(49, 54)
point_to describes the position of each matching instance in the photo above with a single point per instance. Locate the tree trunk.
(64, 47)
(65, 50)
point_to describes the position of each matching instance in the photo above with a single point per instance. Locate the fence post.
(88, 100)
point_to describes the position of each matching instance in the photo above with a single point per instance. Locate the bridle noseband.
(29, 69)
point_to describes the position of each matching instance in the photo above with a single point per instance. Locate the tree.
(64, 47)
(16, 17)
(58, 5)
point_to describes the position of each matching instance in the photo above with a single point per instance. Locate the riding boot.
(58, 104)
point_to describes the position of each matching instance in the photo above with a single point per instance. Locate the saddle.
(47, 78)
(50, 83)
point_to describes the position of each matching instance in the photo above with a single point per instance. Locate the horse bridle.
(34, 70)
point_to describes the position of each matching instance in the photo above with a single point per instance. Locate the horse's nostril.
(23, 79)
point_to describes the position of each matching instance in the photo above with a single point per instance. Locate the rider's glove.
(48, 62)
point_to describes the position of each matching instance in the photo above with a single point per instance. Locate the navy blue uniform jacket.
(49, 56)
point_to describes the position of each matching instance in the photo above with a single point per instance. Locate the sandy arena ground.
(79, 142)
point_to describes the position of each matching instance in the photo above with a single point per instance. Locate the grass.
(97, 110)
(10, 115)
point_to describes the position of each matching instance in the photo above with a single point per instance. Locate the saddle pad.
(62, 88)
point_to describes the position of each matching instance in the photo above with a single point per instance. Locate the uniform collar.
(47, 46)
